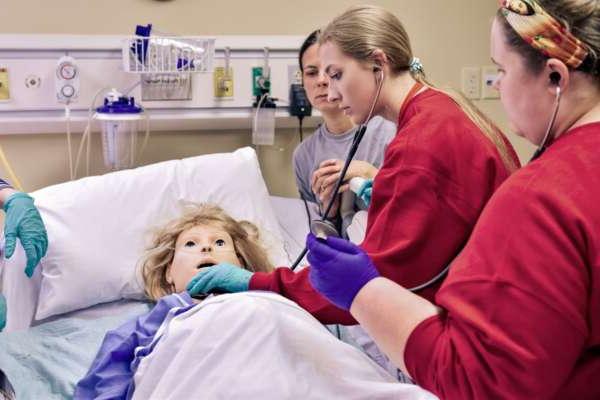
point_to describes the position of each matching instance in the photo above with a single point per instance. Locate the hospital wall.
(446, 35)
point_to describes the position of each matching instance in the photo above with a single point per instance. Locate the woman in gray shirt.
(319, 159)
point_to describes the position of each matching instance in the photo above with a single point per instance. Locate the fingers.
(322, 173)
(331, 161)
(199, 283)
(331, 180)
(326, 193)
(331, 245)
(3, 312)
(319, 252)
(43, 245)
(10, 244)
(343, 245)
(35, 248)
(33, 258)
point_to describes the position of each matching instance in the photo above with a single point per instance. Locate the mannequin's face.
(198, 247)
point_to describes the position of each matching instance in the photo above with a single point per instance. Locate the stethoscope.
(554, 78)
(322, 228)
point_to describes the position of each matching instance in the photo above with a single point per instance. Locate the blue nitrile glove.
(23, 220)
(365, 191)
(2, 312)
(338, 269)
(219, 278)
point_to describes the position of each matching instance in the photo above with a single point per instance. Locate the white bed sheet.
(259, 345)
(22, 293)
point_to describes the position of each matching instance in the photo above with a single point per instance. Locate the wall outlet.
(223, 82)
(33, 82)
(471, 79)
(489, 74)
(4, 87)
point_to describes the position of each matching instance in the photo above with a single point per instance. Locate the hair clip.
(521, 7)
(416, 66)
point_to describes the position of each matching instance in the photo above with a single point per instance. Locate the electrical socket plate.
(471, 82)
(489, 74)
(223, 83)
(4, 87)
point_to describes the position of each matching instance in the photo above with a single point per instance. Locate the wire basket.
(168, 54)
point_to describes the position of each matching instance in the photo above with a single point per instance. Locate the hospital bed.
(87, 283)
(44, 358)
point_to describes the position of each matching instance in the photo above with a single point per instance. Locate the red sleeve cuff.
(261, 281)
(419, 348)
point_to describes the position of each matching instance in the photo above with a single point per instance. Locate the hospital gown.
(111, 373)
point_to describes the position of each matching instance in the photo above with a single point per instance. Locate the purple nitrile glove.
(338, 269)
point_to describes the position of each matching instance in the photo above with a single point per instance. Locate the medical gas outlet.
(261, 82)
(67, 80)
(4, 88)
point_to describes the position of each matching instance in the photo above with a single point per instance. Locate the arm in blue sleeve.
(111, 375)
(4, 184)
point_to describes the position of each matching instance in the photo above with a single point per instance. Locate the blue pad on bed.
(46, 361)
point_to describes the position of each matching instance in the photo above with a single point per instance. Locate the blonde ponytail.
(360, 30)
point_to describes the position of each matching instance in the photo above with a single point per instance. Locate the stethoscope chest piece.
(323, 229)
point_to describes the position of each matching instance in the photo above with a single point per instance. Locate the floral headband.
(544, 32)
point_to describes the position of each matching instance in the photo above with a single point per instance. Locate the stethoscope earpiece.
(555, 79)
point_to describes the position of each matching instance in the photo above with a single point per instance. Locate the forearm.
(389, 313)
(296, 287)
(5, 193)
(361, 169)
(370, 172)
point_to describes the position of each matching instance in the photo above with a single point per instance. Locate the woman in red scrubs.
(519, 314)
(438, 172)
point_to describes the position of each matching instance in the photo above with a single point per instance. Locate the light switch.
(471, 78)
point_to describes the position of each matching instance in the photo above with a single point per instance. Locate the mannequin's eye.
(189, 243)
(220, 242)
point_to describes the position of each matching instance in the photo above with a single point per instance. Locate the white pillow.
(98, 226)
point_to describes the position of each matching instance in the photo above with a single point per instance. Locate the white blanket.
(259, 345)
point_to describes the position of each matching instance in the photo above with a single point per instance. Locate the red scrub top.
(521, 305)
(437, 174)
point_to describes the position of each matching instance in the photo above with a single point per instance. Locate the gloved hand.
(2, 312)
(338, 269)
(365, 191)
(23, 220)
(221, 277)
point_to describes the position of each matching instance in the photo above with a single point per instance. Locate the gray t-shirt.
(323, 145)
